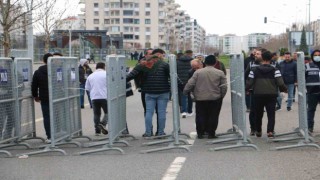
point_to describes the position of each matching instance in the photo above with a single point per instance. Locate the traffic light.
(265, 20)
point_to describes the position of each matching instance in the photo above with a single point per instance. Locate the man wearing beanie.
(209, 86)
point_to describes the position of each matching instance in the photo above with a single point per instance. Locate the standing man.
(265, 80)
(183, 67)
(288, 69)
(96, 84)
(84, 72)
(313, 87)
(209, 86)
(40, 93)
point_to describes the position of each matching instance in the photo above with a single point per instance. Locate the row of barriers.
(17, 118)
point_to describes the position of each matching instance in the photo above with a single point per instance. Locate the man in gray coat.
(209, 86)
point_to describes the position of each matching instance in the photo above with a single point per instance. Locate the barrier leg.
(47, 149)
(240, 144)
(104, 148)
(6, 152)
(166, 148)
(16, 144)
(298, 145)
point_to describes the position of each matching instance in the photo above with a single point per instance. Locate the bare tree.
(276, 43)
(50, 16)
(10, 13)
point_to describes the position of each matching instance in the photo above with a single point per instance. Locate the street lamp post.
(70, 46)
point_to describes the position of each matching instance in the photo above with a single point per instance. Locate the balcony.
(82, 1)
(83, 9)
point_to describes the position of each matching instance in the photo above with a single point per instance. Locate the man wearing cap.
(209, 86)
(84, 72)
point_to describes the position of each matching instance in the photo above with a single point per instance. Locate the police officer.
(313, 86)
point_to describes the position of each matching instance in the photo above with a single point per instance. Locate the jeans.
(161, 100)
(290, 94)
(312, 102)
(46, 117)
(279, 100)
(82, 92)
(184, 102)
(143, 99)
(97, 105)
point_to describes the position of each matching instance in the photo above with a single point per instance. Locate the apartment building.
(256, 39)
(142, 23)
(231, 44)
(315, 27)
(212, 40)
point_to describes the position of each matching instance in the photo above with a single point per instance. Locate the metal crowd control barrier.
(26, 125)
(174, 138)
(64, 95)
(238, 107)
(116, 96)
(305, 140)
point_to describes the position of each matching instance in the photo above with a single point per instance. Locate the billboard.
(295, 37)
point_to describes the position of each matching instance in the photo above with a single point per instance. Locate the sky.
(242, 17)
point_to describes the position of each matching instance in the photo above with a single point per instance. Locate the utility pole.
(30, 30)
(309, 34)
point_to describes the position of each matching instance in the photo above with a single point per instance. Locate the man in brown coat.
(209, 86)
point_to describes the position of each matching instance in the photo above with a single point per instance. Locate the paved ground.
(242, 163)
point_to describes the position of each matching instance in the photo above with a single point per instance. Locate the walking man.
(96, 84)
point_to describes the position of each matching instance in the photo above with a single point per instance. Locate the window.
(115, 28)
(136, 5)
(106, 13)
(136, 37)
(128, 5)
(147, 21)
(136, 29)
(136, 13)
(115, 13)
(96, 13)
(115, 4)
(96, 28)
(106, 21)
(95, 21)
(127, 21)
(96, 5)
(106, 5)
(147, 37)
(115, 21)
(127, 29)
(128, 36)
(147, 5)
(136, 21)
(148, 29)
(147, 13)
(128, 13)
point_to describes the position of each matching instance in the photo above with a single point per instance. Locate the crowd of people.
(201, 80)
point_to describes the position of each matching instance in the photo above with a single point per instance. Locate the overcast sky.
(242, 17)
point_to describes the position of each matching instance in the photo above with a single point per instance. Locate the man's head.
(200, 57)
(315, 56)
(189, 53)
(266, 56)
(274, 56)
(159, 52)
(295, 56)
(210, 60)
(148, 52)
(45, 57)
(57, 54)
(287, 56)
(83, 62)
(258, 54)
(100, 65)
(196, 64)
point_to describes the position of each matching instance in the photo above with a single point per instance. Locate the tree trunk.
(6, 42)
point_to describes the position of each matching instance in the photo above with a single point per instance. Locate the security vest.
(312, 78)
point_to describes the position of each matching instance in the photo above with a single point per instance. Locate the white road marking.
(174, 169)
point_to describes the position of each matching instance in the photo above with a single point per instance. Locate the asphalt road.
(200, 163)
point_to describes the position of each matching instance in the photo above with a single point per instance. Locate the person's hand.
(295, 84)
(37, 99)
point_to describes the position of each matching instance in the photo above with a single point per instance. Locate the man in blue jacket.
(288, 69)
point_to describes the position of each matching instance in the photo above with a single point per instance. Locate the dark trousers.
(248, 101)
(143, 99)
(312, 101)
(190, 104)
(46, 117)
(207, 116)
(252, 113)
(97, 105)
(270, 104)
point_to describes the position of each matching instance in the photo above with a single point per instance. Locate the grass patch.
(225, 60)
(131, 63)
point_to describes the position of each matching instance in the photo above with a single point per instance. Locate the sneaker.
(258, 134)
(252, 133)
(103, 129)
(293, 100)
(189, 114)
(289, 109)
(82, 107)
(125, 132)
(212, 136)
(278, 108)
(146, 135)
(184, 115)
(270, 135)
(48, 141)
(97, 134)
(310, 130)
(200, 136)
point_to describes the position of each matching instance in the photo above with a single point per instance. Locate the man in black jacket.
(265, 81)
(247, 62)
(40, 84)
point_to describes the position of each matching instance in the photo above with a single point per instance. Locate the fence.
(174, 138)
(238, 107)
(64, 97)
(116, 97)
(302, 131)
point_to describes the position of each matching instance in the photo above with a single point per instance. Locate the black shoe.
(289, 109)
(103, 129)
(258, 134)
(310, 130)
(82, 107)
(278, 108)
(252, 133)
(200, 136)
(146, 135)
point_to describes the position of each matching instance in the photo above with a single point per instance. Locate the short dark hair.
(266, 56)
(146, 50)
(158, 51)
(45, 57)
(100, 65)
(188, 52)
(312, 54)
(210, 60)
(287, 53)
(57, 54)
(274, 54)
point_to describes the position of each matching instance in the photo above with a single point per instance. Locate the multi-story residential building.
(212, 40)
(315, 27)
(255, 39)
(231, 44)
(142, 23)
(72, 22)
